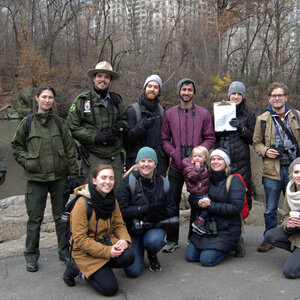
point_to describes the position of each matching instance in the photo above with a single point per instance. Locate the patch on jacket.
(73, 107)
(87, 106)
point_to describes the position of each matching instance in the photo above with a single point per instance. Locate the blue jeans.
(207, 258)
(273, 190)
(151, 241)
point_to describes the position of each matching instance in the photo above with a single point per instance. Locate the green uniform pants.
(94, 161)
(35, 200)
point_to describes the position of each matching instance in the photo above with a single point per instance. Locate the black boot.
(240, 250)
(70, 273)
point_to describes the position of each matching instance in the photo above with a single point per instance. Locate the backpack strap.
(58, 123)
(137, 110)
(89, 207)
(228, 182)
(262, 130)
(132, 183)
(27, 129)
(161, 111)
(295, 114)
(166, 184)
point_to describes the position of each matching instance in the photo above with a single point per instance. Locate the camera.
(105, 241)
(186, 150)
(138, 226)
(279, 149)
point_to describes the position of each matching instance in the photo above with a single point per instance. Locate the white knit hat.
(222, 153)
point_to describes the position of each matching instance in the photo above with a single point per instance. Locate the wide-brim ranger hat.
(104, 67)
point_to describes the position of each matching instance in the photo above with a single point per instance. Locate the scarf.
(150, 105)
(103, 206)
(293, 198)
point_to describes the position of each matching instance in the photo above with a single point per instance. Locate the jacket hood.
(270, 109)
(82, 190)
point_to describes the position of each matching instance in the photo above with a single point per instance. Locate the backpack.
(132, 184)
(65, 217)
(28, 126)
(245, 209)
(137, 109)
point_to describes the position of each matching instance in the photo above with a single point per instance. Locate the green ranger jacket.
(84, 127)
(2, 162)
(51, 154)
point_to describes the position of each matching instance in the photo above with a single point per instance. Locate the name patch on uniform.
(87, 106)
(73, 107)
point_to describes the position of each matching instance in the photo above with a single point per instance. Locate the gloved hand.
(105, 138)
(234, 122)
(142, 210)
(72, 184)
(148, 122)
(2, 177)
(120, 125)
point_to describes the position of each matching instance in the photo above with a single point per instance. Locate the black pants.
(279, 238)
(176, 183)
(104, 280)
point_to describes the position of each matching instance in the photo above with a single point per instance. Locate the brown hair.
(100, 168)
(277, 85)
(44, 87)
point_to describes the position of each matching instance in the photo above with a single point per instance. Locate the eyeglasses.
(274, 96)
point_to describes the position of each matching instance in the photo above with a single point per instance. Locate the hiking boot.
(199, 226)
(70, 273)
(240, 250)
(32, 266)
(169, 247)
(154, 263)
(264, 247)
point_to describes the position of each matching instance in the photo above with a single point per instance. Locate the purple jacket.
(204, 133)
(196, 179)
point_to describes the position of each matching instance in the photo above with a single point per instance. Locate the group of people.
(134, 212)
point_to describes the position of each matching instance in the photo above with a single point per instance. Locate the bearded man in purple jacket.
(184, 127)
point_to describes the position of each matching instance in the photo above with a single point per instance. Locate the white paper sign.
(223, 113)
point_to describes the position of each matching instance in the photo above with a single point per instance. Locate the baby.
(196, 176)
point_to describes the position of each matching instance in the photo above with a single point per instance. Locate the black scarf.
(103, 206)
(150, 105)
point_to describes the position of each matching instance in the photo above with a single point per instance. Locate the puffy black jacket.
(237, 144)
(138, 136)
(150, 202)
(225, 208)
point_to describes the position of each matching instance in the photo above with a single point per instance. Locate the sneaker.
(264, 247)
(169, 247)
(199, 225)
(154, 263)
(240, 250)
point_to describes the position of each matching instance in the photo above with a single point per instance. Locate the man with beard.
(184, 127)
(144, 120)
(97, 119)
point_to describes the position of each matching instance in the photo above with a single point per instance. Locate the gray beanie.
(146, 152)
(182, 81)
(237, 87)
(153, 77)
(296, 161)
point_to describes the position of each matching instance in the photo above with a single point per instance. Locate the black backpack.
(65, 217)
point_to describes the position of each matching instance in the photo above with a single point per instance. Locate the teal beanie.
(182, 81)
(146, 152)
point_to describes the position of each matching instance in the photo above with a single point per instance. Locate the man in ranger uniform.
(97, 119)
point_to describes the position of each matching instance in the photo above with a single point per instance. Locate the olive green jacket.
(83, 128)
(271, 166)
(50, 155)
(2, 162)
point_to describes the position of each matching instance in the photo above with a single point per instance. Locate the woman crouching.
(101, 243)
(224, 208)
(144, 199)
